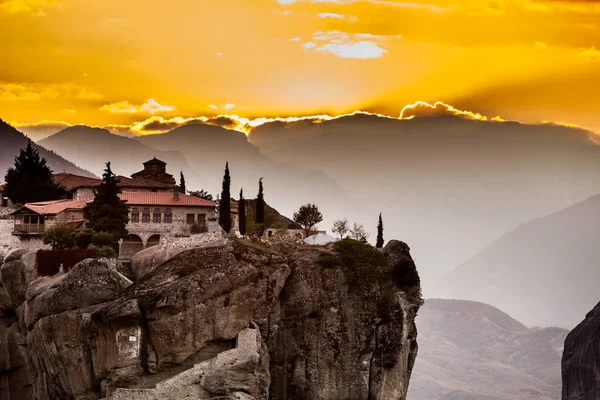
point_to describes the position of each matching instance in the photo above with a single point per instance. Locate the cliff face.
(581, 360)
(233, 321)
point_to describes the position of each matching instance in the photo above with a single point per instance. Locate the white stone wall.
(84, 193)
(7, 240)
(179, 221)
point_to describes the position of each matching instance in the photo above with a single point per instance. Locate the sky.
(130, 64)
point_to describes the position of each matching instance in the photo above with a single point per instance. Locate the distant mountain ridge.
(471, 351)
(93, 147)
(544, 272)
(446, 185)
(12, 141)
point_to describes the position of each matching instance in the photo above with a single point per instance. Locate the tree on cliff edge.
(308, 216)
(225, 202)
(107, 212)
(182, 188)
(242, 213)
(31, 179)
(260, 204)
(380, 241)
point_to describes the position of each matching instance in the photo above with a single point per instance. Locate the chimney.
(176, 194)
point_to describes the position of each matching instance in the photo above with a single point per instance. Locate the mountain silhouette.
(545, 272)
(12, 141)
(470, 350)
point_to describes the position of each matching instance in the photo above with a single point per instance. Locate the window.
(25, 219)
(156, 216)
(201, 219)
(168, 216)
(145, 215)
(135, 215)
(34, 219)
(190, 219)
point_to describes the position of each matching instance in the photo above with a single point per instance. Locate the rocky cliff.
(581, 360)
(231, 320)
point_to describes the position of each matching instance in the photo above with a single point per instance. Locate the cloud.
(346, 45)
(331, 15)
(30, 91)
(591, 52)
(386, 3)
(424, 109)
(149, 107)
(26, 6)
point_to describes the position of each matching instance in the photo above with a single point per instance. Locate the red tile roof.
(54, 207)
(163, 199)
(71, 181)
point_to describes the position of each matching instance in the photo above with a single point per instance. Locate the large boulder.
(581, 360)
(89, 282)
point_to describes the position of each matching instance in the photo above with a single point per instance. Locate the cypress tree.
(379, 243)
(260, 204)
(242, 213)
(31, 179)
(225, 202)
(107, 212)
(182, 188)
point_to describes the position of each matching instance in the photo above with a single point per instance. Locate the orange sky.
(108, 62)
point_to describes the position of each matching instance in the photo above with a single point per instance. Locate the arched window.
(135, 215)
(168, 216)
(145, 215)
(156, 216)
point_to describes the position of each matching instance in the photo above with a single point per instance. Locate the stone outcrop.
(237, 320)
(581, 360)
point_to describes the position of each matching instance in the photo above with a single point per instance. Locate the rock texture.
(581, 360)
(238, 320)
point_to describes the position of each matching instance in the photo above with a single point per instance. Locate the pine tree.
(182, 188)
(225, 202)
(260, 204)
(31, 179)
(107, 212)
(242, 213)
(379, 243)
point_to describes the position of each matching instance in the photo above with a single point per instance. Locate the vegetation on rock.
(308, 216)
(31, 179)
(100, 239)
(107, 212)
(60, 237)
(242, 213)
(225, 203)
(380, 242)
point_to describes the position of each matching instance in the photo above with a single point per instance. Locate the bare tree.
(358, 233)
(341, 227)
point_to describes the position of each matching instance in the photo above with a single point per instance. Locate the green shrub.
(328, 260)
(60, 237)
(198, 228)
(404, 273)
(362, 263)
(253, 228)
(105, 252)
(100, 239)
(83, 237)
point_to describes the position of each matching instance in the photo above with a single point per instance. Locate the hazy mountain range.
(12, 141)
(545, 272)
(446, 185)
(473, 351)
